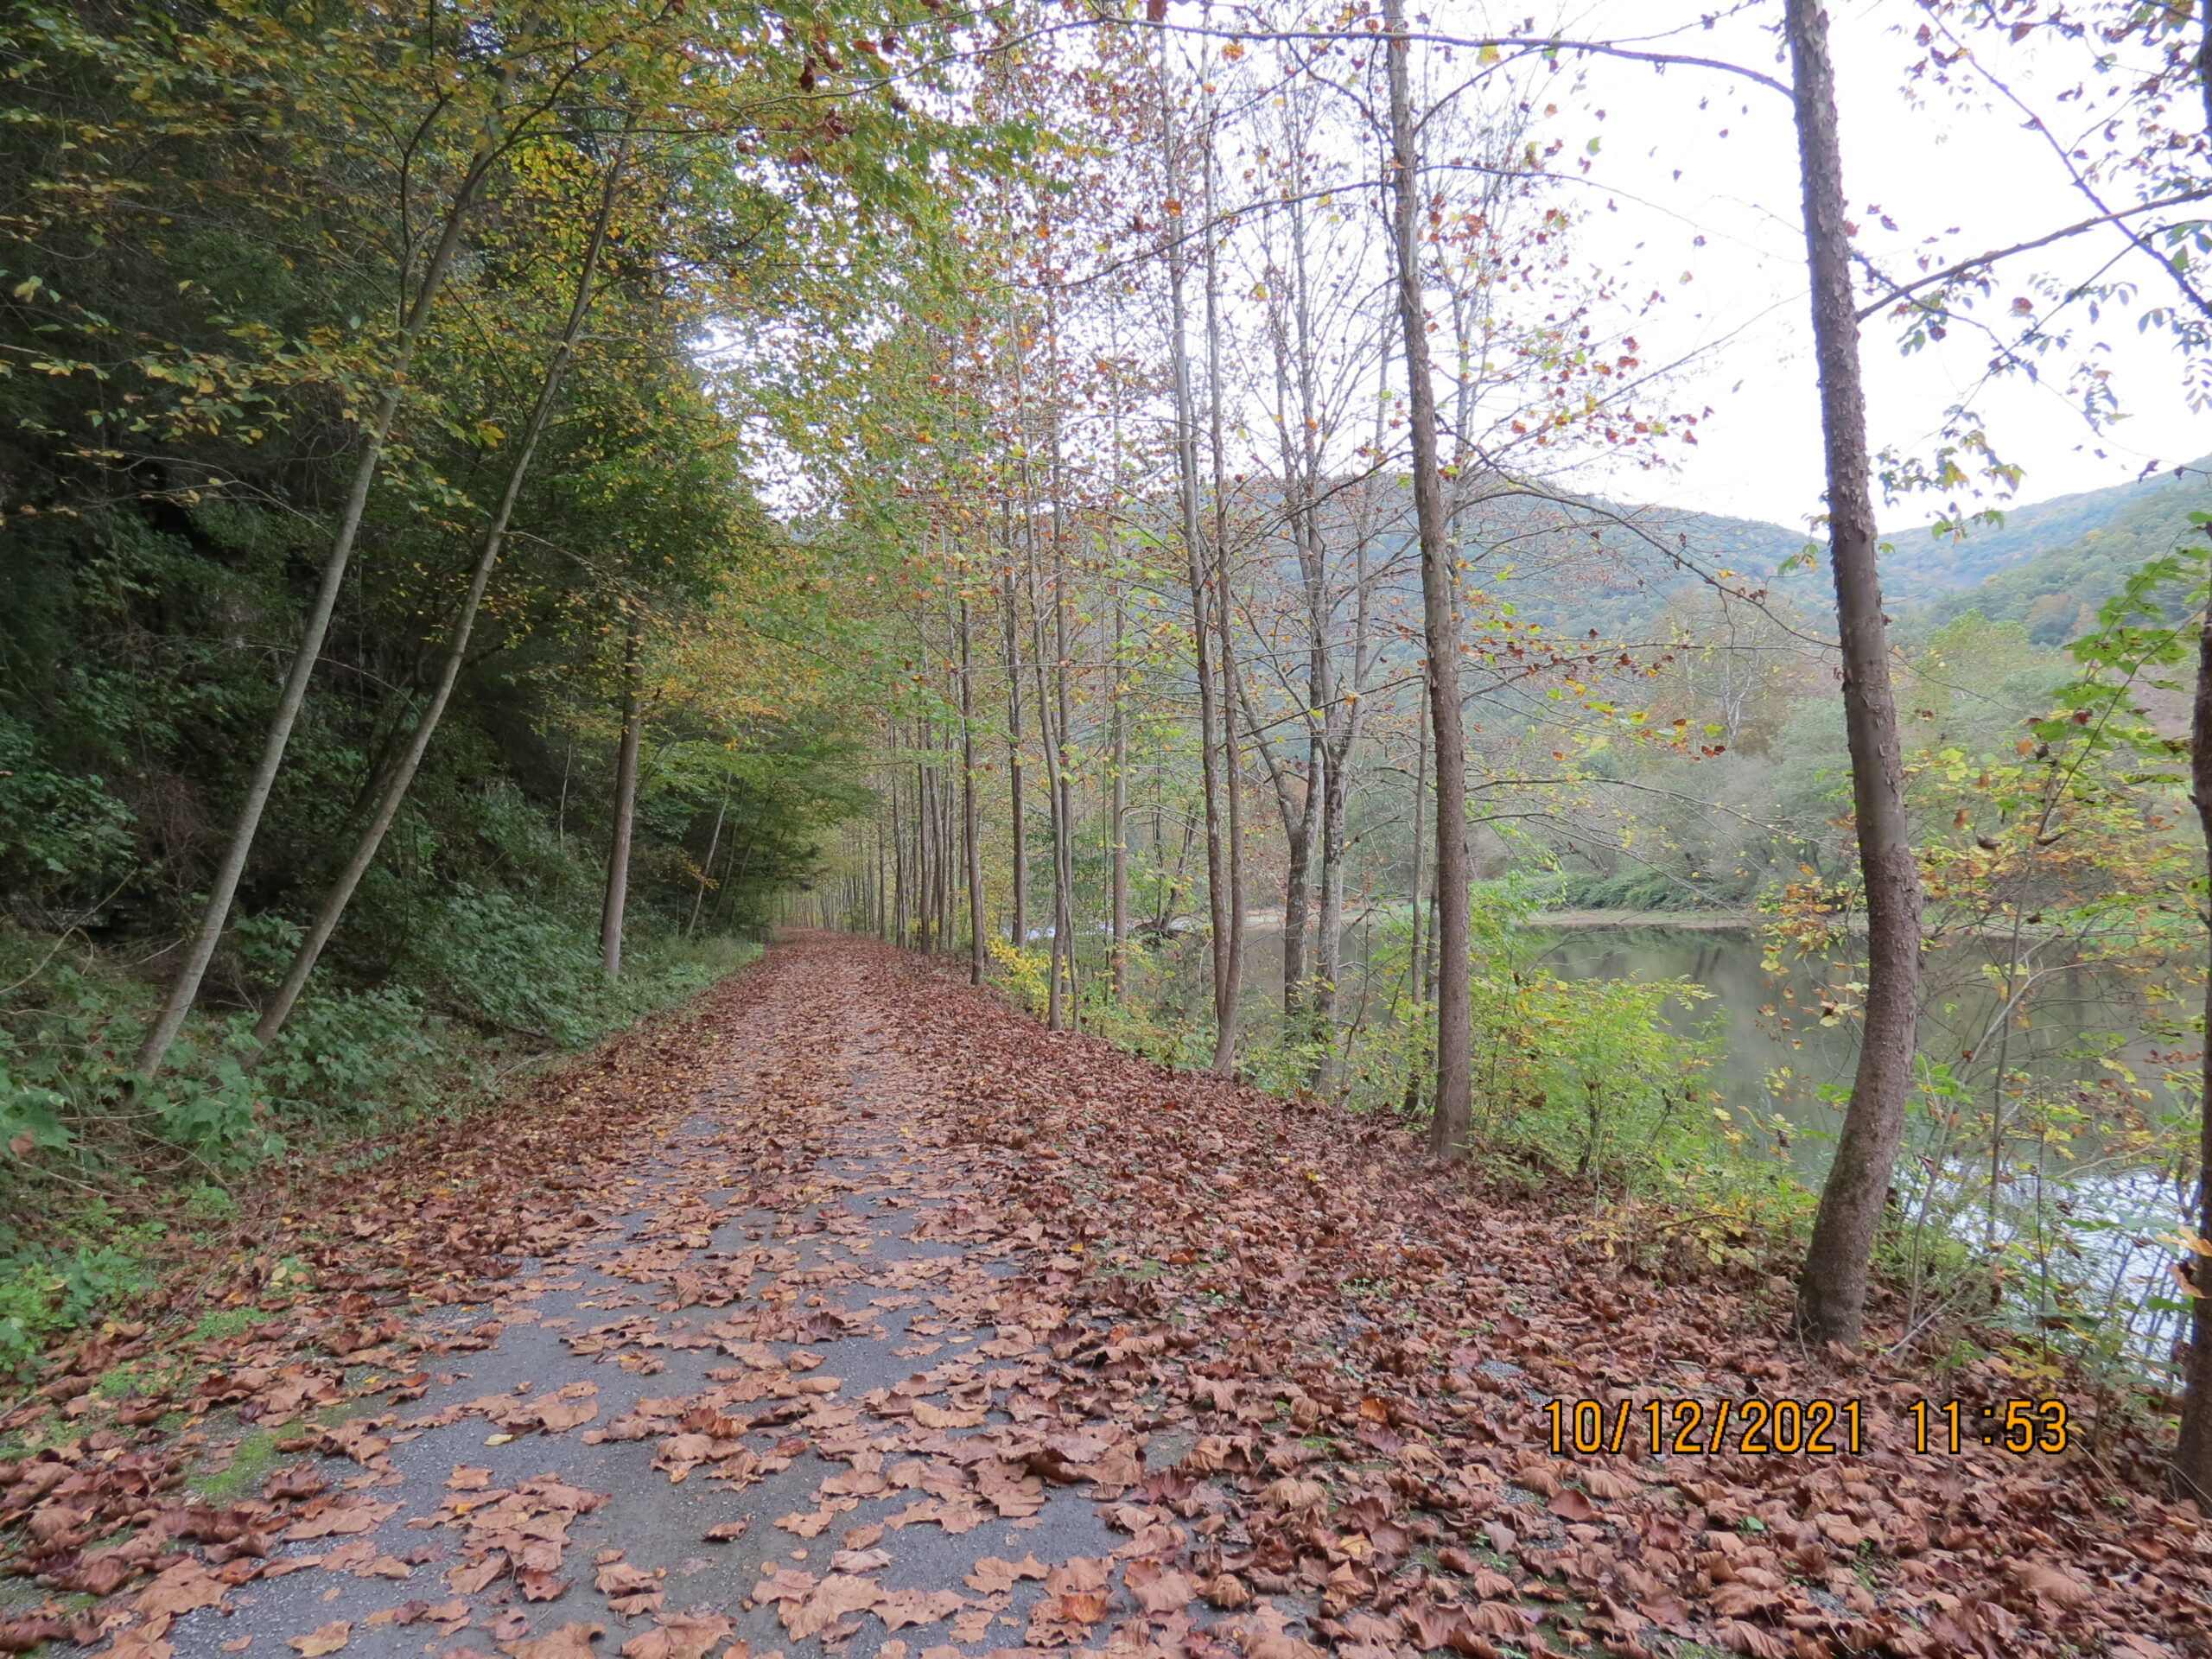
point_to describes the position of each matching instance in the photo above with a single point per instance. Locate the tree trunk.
(402, 776)
(1186, 463)
(1454, 1111)
(1117, 814)
(625, 807)
(184, 987)
(1415, 982)
(971, 829)
(706, 865)
(2193, 1455)
(1229, 1008)
(1018, 929)
(1832, 1290)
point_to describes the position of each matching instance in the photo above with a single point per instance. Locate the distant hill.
(1578, 562)
(2051, 564)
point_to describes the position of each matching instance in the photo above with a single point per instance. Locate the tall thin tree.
(402, 775)
(1453, 1118)
(1832, 1288)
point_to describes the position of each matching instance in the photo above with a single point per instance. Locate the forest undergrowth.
(114, 1180)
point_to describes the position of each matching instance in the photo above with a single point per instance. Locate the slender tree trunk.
(1329, 930)
(1018, 929)
(1414, 977)
(705, 864)
(971, 828)
(1832, 1290)
(1229, 1014)
(1117, 814)
(402, 775)
(2193, 1455)
(1051, 741)
(1063, 668)
(184, 987)
(898, 857)
(1186, 461)
(1454, 1107)
(612, 911)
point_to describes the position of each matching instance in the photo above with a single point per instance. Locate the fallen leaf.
(680, 1636)
(328, 1639)
(991, 1575)
(571, 1640)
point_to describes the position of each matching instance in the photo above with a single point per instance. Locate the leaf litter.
(1298, 1369)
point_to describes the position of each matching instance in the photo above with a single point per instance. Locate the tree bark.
(1454, 1107)
(971, 836)
(184, 987)
(706, 865)
(1230, 1007)
(2193, 1452)
(615, 909)
(1416, 983)
(1018, 929)
(1117, 813)
(1187, 462)
(1832, 1289)
(402, 776)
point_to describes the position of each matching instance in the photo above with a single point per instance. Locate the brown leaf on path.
(784, 1584)
(991, 1575)
(343, 1520)
(1739, 1638)
(650, 1601)
(973, 1625)
(511, 1626)
(620, 1579)
(865, 1537)
(1612, 1488)
(1075, 1607)
(930, 1416)
(1077, 1575)
(466, 1479)
(2050, 1583)
(354, 1553)
(860, 1560)
(1501, 1618)
(1227, 1592)
(179, 1590)
(834, 1597)
(679, 1636)
(1279, 1646)
(238, 1646)
(539, 1585)
(328, 1639)
(903, 1607)
(571, 1640)
(1571, 1505)
(467, 1578)
(299, 1482)
(557, 1414)
(722, 1531)
(1165, 1591)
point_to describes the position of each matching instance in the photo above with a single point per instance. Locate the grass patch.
(255, 1457)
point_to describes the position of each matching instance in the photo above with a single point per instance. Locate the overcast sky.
(1932, 168)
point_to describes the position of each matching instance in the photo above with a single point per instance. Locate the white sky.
(1931, 169)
